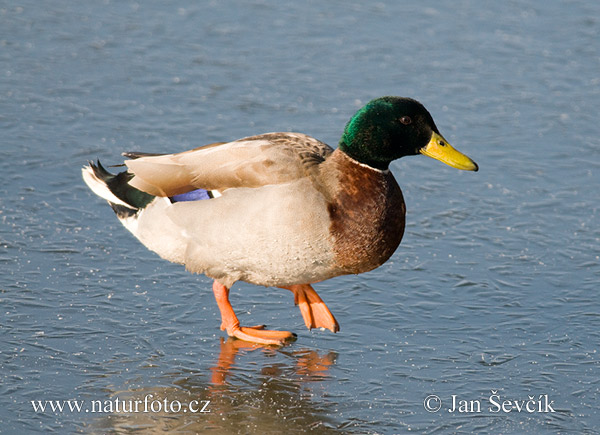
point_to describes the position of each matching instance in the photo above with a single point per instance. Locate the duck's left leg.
(313, 309)
(253, 334)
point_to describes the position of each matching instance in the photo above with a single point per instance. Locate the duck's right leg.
(253, 334)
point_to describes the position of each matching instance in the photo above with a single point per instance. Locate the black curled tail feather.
(124, 199)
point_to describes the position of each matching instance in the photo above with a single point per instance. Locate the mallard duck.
(278, 209)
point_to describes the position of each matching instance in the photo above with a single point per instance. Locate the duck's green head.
(388, 128)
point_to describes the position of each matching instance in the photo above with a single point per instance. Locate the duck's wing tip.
(137, 154)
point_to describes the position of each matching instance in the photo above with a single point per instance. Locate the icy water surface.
(486, 319)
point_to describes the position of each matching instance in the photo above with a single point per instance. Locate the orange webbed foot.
(313, 309)
(253, 334)
(260, 335)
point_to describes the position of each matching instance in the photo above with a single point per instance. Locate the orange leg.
(313, 309)
(230, 322)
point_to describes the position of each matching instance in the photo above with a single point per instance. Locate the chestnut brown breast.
(367, 215)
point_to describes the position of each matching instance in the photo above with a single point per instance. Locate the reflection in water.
(309, 363)
(273, 393)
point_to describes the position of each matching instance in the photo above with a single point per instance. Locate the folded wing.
(256, 161)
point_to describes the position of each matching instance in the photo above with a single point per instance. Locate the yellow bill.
(438, 148)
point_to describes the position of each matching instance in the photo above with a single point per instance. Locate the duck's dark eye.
(405, 120)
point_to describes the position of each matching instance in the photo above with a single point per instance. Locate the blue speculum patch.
(194, 195)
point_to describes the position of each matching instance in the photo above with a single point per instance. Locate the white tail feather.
(100, 188)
